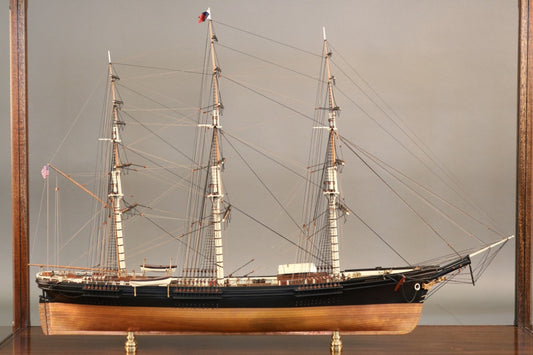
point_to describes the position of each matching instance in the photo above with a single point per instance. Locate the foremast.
(114, 194)
(331, 186)
(216, 193)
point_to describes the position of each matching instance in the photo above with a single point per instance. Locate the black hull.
(395, 288)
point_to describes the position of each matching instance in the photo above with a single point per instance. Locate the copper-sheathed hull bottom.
(67, 318)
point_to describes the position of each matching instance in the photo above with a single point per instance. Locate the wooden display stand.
(425, 339)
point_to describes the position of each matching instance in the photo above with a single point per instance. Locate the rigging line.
(143, 138)
(38, 219)
(313, 223)
(164, 179)
(389, 108)
(138, 249)
(435, 208)
(145, 155)
(57, 222)
(264, 184)
(452, 257)
(265, 155)
(444, 258)
(320, 235)
(196, 187)
(395, 138)
(198, 147)
(165, 217)
(402, 199)
(156, 168)
(156, 102)
(76, 261)
(76, 118)
(79, 230)
(152, 76)
(139, 109)
(438, 286)
(270, 99)
(153, 246)
(162, 211)
(158, 136)
(270, 62)
(179, 237)
(488, 261)
(145, 95)
(160, 68)
(162, 113)
(268, 39)
(277, 93)
(177, 122)
(386, 105)
(410, 134)
(241, 267)
(377, 235)
(172, 184)
(384, 164)
(278, 234)
(438, 176)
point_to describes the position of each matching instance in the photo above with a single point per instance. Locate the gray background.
(447, 68)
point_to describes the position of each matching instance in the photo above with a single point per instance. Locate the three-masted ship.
(314, 294)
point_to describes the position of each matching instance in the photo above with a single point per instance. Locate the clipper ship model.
(311, 296)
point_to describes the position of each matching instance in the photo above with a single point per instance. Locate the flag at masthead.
(206, 15)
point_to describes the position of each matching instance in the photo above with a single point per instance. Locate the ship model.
(312, 295)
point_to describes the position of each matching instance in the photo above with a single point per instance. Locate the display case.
(524, 188)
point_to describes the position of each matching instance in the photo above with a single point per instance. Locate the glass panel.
(452, 80)
(6, 291)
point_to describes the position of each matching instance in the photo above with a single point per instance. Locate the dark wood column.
(524, 167)
(19, 163)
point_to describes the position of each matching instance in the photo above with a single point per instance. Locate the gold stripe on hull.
(67, 318)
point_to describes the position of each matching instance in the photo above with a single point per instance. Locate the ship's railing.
(353, 274)
(99, 276)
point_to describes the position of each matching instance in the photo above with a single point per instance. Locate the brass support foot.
(336, 343)
(131, 345)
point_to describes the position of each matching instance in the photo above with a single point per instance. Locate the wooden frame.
(19, 163)
(524, 168)
(19, 168)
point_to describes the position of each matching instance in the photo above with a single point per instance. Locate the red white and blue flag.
(45, 172)
(206, 15)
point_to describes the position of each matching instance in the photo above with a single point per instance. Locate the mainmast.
(216, 193)
(114, 194)
(331, 188)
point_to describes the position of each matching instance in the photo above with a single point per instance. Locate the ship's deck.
(81, 277)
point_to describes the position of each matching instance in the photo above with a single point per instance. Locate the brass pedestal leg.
(336, 343)
(131, 345)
